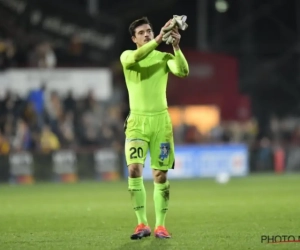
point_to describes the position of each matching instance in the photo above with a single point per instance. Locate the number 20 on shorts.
(136, 152)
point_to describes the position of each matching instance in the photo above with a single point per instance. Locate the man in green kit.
(148, 125)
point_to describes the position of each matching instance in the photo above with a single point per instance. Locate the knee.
(135, 170)
(160, 176)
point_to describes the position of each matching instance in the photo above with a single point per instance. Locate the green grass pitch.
(202, 215)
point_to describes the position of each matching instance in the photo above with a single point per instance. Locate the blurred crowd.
(279, 147)
(44, 121)
(284, 132)
(40, 53)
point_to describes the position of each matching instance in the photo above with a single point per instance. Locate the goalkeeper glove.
(177, 21)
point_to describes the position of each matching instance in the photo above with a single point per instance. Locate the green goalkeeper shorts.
(150, 132)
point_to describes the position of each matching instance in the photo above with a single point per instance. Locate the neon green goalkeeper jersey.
(146, 74)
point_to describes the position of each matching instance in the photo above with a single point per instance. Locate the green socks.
(161, 202)
(138, 197)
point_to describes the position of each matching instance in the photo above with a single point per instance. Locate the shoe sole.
(140, 235)
(162, 237)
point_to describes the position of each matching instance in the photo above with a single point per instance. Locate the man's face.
(143, 34)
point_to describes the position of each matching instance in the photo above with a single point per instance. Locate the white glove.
(180, 22)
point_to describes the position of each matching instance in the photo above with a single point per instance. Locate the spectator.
(69, 102)
(7, 54)
(54, 110)
(37, 98)
(4, 145)
(66, 129)
(43, 56)
(76, 49)
(49, 141)
(22, 139)
(30, 116)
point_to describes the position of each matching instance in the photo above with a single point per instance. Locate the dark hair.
(137, 23)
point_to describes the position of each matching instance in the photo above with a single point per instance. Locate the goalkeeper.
(148, 126)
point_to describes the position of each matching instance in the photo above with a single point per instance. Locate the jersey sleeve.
(126, 58)
(177, 64)
(130, 57)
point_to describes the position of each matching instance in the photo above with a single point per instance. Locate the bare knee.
(160, 176)
(135, 170)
